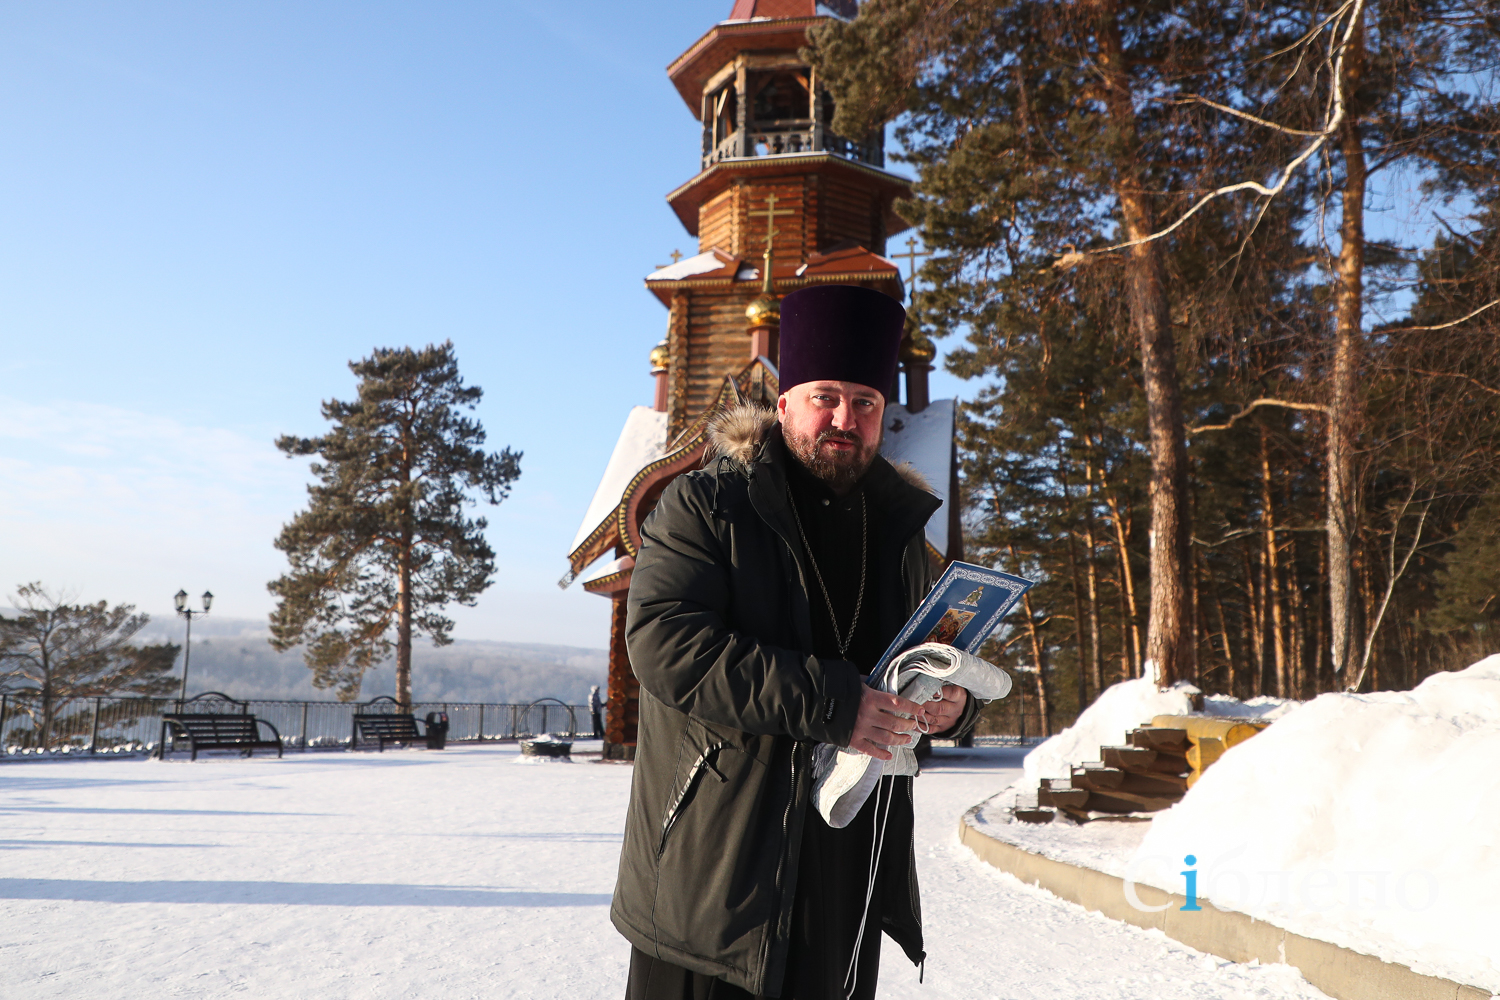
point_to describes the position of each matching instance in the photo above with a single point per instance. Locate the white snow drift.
(1366, 820)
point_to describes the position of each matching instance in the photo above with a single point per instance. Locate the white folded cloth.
(843, 779)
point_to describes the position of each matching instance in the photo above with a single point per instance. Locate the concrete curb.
(1340, 972)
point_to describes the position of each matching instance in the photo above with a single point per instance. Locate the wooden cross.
(676, 256)
(912, 256)
(770, 212)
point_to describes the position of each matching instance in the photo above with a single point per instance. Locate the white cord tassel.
(851, 977)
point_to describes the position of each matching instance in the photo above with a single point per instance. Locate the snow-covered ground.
(462, 874)
(1370, 821)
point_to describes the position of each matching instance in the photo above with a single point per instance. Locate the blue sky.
(207, 210)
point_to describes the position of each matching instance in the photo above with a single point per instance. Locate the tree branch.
(1288, 404)
(1393, 574)
(1423, 371)
(1288, 130)
(1439, 326)
(1332, 122)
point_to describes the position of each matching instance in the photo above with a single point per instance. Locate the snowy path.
(991, 936)
(456, 875)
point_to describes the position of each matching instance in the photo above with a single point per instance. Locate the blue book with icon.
(963, 610)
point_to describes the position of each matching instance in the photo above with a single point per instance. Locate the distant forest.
(232, 656)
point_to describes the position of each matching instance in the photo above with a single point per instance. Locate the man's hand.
(942, 715)
(879, 725)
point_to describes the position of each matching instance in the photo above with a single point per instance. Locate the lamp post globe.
(181, 600)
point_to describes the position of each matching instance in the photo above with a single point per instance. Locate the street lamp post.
(181, 599)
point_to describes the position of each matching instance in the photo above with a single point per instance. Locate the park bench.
(378, 722)
(218, 729)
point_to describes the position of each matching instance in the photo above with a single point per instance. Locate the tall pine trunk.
(403, 575)
(1130, 628)
(403, 630)
(1343, 414)
(1273, 572)
(1169, 633)
(1078, 618)
(1091, 567)
(1038, 654)
(1081, 686)
(1255, 599)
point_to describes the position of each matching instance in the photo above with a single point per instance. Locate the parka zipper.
(786, 821)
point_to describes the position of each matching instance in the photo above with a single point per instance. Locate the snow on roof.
(925, 440)
(642, 441)
(603, 569)
(690, 266)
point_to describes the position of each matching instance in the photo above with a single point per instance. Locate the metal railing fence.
(133, 725)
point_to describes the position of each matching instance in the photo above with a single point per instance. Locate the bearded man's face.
(833, 428)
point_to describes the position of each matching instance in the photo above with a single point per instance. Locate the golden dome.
(917, 350)
(661, 356)
(764, 311)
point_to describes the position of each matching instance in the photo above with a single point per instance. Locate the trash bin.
(437, 730)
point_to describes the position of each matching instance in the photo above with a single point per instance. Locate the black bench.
(384, 726)
(216, 730)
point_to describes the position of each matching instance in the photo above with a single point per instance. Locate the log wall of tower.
(718, 343)
(830, 210)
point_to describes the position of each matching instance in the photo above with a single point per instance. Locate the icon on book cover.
(963, 610)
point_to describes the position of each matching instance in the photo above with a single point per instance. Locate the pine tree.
(385, 543)
(53, 653)
(1039, 128)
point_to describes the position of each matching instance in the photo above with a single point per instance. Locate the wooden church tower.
(780, 202)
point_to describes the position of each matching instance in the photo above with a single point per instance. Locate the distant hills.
(232, 655)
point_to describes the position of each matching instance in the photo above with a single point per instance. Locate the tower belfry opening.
(779, 202)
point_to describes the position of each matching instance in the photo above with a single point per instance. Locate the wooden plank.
(1106, 779)
(1229, 732)
(1076, 798)
(1169, 763)
(1127, 758)
(1033, 815)
(1116, 801)
(1203, 753)
(1152, 737)
(1101, 778)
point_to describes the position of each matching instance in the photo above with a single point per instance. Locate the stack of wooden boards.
(1159, 762)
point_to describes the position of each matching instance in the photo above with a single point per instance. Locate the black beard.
(839, 471)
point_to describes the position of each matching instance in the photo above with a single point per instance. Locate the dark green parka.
(730, 706)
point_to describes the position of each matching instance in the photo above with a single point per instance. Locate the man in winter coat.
(767, 585)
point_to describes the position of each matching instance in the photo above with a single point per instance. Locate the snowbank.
(1366, 820)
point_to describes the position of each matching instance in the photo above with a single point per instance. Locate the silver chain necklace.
(843, 641)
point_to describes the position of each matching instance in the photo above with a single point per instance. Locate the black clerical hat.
(842, 333)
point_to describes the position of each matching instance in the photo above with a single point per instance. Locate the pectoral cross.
(912, 255)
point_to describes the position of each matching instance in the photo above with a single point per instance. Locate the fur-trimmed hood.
(738, 433)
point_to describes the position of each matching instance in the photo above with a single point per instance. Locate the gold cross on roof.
(676, 255)
(912, 254)
(770, 212)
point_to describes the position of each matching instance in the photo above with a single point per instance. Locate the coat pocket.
(683, 793)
